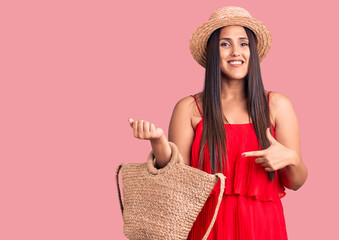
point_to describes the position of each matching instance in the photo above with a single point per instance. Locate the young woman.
(235, 127)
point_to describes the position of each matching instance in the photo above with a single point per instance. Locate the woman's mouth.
(236, 63)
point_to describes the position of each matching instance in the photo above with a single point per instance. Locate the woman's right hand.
(145, 130)
(160, 146)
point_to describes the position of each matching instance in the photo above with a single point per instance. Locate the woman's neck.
(232, 89)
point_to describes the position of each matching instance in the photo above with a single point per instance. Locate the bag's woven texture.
(164, 203)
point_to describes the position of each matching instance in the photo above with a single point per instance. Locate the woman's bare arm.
(287, 133)
(162, 151)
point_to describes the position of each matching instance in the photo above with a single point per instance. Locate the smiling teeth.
(236, 62)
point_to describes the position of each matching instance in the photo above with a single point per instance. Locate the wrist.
(293, 158)
(159, 140)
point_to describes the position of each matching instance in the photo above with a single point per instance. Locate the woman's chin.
(234, 77)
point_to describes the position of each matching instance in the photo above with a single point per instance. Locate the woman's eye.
(227, 44)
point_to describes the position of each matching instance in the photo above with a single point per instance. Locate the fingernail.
(243, 154)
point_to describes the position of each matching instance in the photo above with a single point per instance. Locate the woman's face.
(234, 47)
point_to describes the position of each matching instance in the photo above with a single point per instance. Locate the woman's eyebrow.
(231, 38)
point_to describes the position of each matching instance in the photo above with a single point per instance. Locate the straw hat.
(227, 16)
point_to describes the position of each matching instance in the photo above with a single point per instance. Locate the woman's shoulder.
(277, 98)
(188, 102)
(187, 106)
(185, 102)
(278, 102)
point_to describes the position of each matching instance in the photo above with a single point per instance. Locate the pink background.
(73, 72)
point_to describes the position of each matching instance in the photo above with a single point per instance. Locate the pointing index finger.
(253, 153)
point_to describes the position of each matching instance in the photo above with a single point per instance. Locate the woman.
(235, 127)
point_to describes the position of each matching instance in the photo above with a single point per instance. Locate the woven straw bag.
(164, 203)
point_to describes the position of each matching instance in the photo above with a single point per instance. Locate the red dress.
(251, 208)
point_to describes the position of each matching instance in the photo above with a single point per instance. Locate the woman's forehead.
(233, 31)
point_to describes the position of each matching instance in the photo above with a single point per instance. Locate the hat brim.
(198, 41)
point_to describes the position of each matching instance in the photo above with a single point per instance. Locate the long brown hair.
(257, 105)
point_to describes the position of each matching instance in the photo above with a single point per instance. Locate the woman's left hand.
(275, 157)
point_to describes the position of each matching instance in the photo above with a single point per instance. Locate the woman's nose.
(235, 51)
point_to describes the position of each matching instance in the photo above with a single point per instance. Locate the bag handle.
(117, 180)
(222, 189)
(175, 158)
